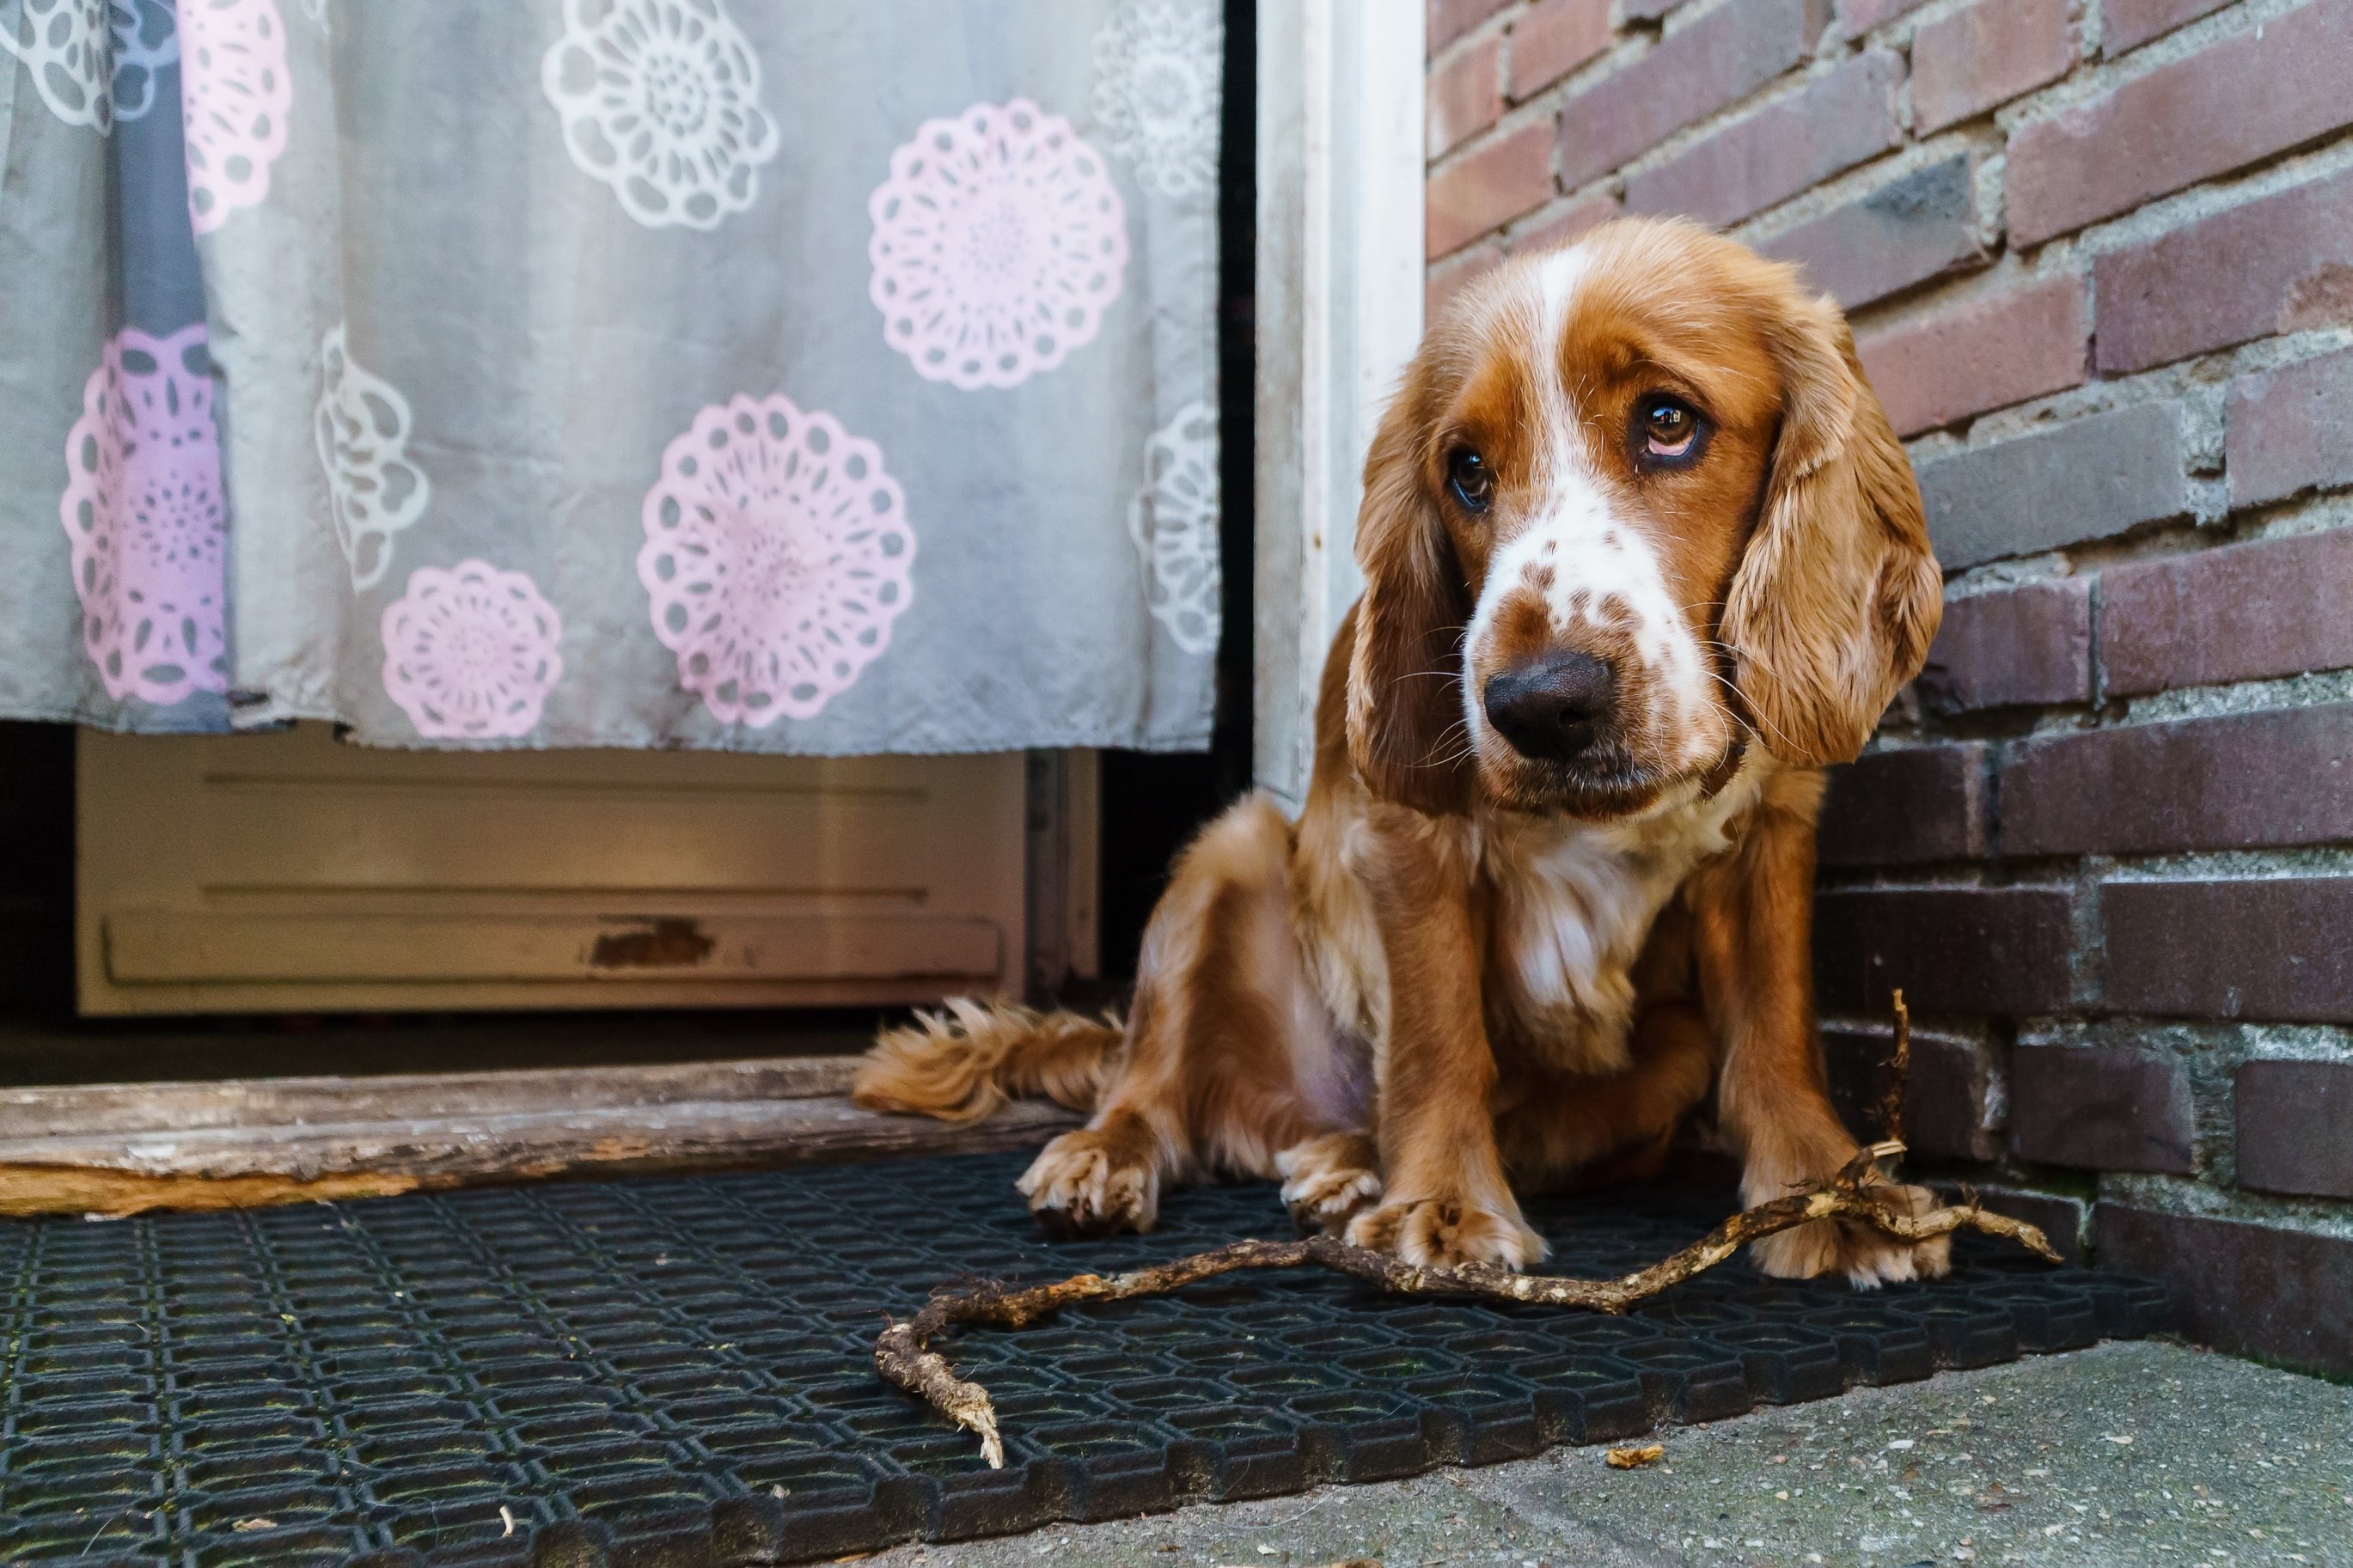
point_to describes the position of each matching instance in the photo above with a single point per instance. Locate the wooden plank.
(247, 1166)
(65, 1109)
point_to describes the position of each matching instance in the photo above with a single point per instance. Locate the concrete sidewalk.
(2134, 1454)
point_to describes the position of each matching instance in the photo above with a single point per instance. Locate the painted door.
(288, 872)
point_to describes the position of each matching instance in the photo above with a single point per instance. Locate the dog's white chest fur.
(1574, 903)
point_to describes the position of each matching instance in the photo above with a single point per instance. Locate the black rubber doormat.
(676, 1370)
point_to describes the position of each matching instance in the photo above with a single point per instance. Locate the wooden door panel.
(288, 872)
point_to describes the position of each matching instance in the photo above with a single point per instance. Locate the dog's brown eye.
(1670, 429)
(1467, 476)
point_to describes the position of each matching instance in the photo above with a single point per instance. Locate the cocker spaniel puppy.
(1642, 555)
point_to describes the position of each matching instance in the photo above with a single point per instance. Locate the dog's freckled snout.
(1554, 705)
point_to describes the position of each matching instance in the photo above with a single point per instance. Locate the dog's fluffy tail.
(964, 1062)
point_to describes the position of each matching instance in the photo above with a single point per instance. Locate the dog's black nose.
(1553, 705)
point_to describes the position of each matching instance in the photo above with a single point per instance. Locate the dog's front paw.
(1091, 1183)
(1328, 1181)
(1868, 1257)
(1444, 1232)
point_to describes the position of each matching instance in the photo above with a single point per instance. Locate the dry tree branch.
(1890, 1105)
(903, 1357)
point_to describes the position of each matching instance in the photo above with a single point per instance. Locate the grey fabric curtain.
(833, 376)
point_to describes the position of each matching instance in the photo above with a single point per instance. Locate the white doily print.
(93, 61)
(1173, 521)
(374, 488)
(998, 242)
(146, 521)
(776, 556)
(469, 653)
(1159, 91)
(661, 100)
(235, 96)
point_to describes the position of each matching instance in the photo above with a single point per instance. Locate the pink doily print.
(143, 510)
(1173, 521)
(661, 100)
(93, 61)
(776, 553)
(1159, 91)
(469, 653)
(998, 242)
(235, 96)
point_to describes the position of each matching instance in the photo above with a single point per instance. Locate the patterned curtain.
(822, 376)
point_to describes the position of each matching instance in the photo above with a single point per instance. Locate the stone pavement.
(2139, 1454)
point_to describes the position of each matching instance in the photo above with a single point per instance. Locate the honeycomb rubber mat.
(676, 1370)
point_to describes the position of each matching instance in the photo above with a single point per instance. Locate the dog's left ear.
(1839, 596)
(1405, 669)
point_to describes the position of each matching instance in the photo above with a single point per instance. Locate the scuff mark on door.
(665, 943)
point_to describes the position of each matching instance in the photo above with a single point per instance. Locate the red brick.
(1965, 63)
(1688, 75)
(2244, 612)
(1916, 226)
(2272, 948)
(2130, 24)
(1451, 276)
(2253, 1290)
(2061, 1219)
(2281, 263)
(1953, 950)
(2292, 1117)
(2285, 430)
(2236, 101)
(1856, 17)
(1552, 38)
(1994, 348)
(1486, 189)
(1586, 212)
(2017, 647)
(2237, 782)
(1450, 19)
(1945, 1092)
(2066, 483)
(1907, 805)
(1833, 123)
(2101, 1107)
(1464, 97)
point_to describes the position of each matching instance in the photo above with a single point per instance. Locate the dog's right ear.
(1405, 729)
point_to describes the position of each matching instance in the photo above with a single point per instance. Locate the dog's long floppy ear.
(1406, 734)
(1838, 595)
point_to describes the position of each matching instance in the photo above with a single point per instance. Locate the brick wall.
(2099, 257)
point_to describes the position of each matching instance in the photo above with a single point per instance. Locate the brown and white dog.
(1642, 555)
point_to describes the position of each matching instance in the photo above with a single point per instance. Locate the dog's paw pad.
(1445, 1231)
(1328, 1181)
(1081, 1185)
(1327, 1200)
(1868, 1257)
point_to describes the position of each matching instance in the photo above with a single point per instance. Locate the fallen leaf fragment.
(1635, 1459)
(247, 1526)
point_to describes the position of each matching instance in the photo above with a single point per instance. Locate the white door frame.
(1339, 297)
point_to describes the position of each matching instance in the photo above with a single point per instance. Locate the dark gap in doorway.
(1154, 803)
